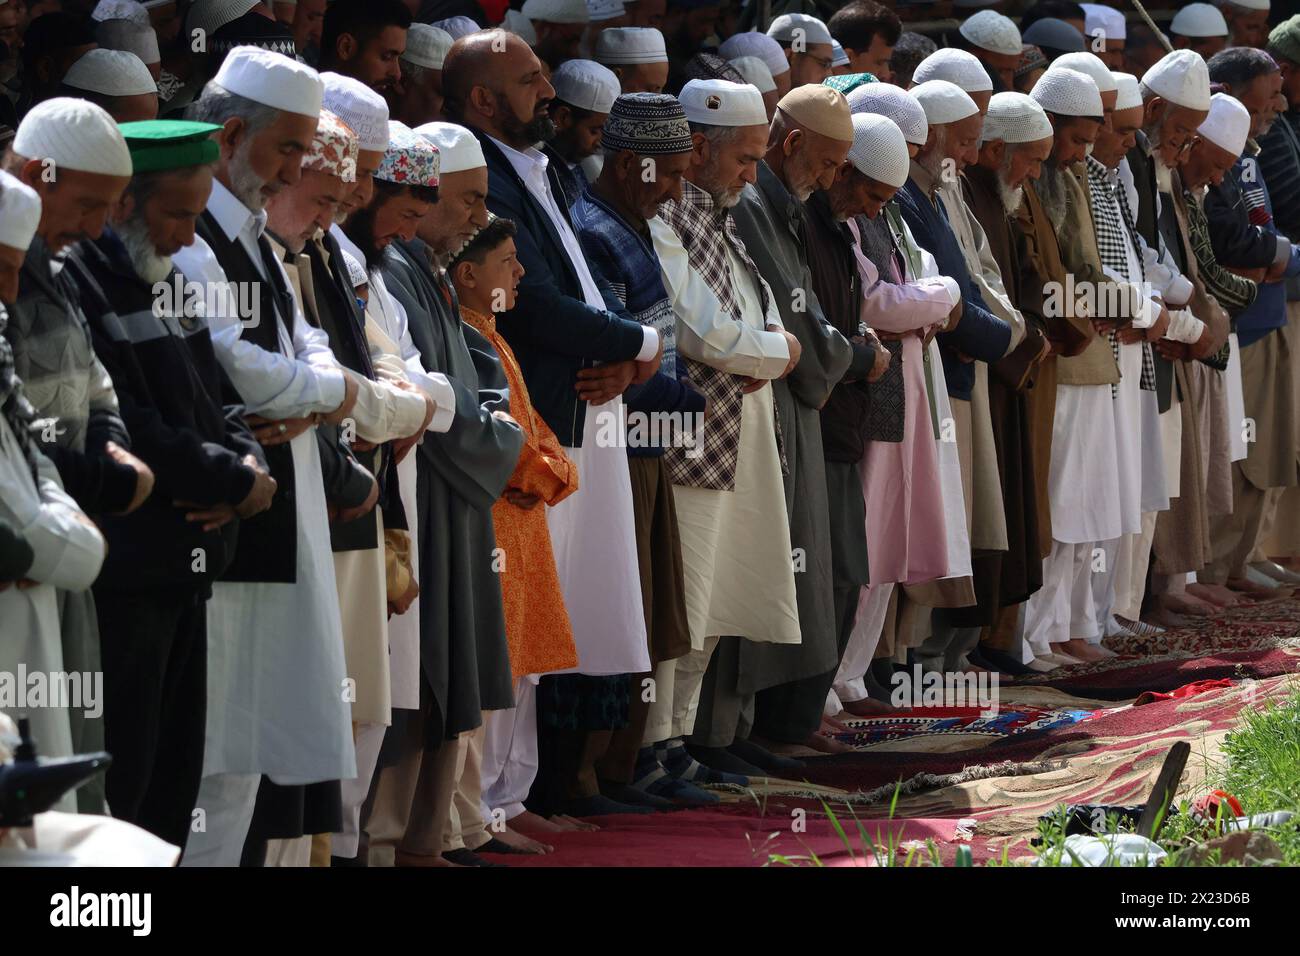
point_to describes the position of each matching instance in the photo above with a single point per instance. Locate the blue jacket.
(980, 334)
(552, 330)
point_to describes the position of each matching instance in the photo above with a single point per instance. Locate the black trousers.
(154, 648)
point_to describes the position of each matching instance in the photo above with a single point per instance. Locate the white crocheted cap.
(1104, 22)
(585, 84)
(1015, 118)
(110, 73)
(956, 66)
(556, 11)
(129, 36)
(943, 102)
(992, 31)
(791, 26)
(879, 150)
(1228, 124)
(1182, 78)
(364, 110)
(76, 134)
(1199, 20)
(1067, 92)
(1130, 95)
(20, 212)
(756, 44)
(896, 103)
(755, 72)
(426, 46)
(1091, 64)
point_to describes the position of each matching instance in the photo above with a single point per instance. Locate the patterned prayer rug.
(969, 722)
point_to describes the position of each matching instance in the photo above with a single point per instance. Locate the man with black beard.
(560, 328)
(151, 596)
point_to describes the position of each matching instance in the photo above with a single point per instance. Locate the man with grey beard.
(151, 596)
(276, 659)
(1015, 141)
(808, 142)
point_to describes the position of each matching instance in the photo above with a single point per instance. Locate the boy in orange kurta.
(485, 274)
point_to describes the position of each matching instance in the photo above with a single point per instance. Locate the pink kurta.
(906, 534)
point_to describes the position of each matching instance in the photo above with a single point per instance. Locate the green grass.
(1260, 766)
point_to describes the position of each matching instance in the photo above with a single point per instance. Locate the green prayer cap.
(169, 144)
(1284, 39)
(846, 83)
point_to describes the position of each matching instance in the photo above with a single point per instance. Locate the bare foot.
(1061, 649)
(1245, 586)
(1079, 648)
(402, 858)
(522, 842)
(1214, 594)
(1163, 617)
(1188, 605)
(528, 822)
(826, 745)
(833, 725)
(869, 707)
(574, 823)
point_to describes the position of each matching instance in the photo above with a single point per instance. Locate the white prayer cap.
(755, 72)
(211, 15)
(271, 79)
(1103, 21)
(600, 10)
(838, 56)
(556, 11)
(788, 26)
(1246, 4)
(1090, 64)
(457, 26)
(20, 212)
(360, 107)
(110, 73)
(879, 150)
(518, 24)
(76, 134)
(1130, 95)
(1199, 20)
(1228, 124)
(723, 103)
(756, 44)
(458, 150)
(120, 10)
(622, 46)
(943, 102)
(1182, 78)
(129, 36)
(356, 271)
(1067, 92)
(426, 46)
(586, 84)
(895, 103)
(1015, 118)
(990, 30)
(955, 66)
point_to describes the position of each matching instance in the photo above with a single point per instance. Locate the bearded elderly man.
(80, 426)
(1175, 95)
(1015, 141)
(808, 141)
(1245, 238)
(954, 630)
(877, 167)
(274, 707)
(52, 543)
(298, 219)
(982, 334)
(152, 595)
(738, 573)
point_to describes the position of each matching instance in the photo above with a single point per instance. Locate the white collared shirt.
(531, 167)
(303, 378)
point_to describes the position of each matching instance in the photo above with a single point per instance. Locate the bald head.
(493, 82)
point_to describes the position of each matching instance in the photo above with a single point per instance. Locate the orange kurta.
(537, 623)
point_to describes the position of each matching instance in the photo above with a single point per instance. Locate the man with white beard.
(1060, 619)
(276, 663)
(1015, 141)
(1142, 487)
(164, 557)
